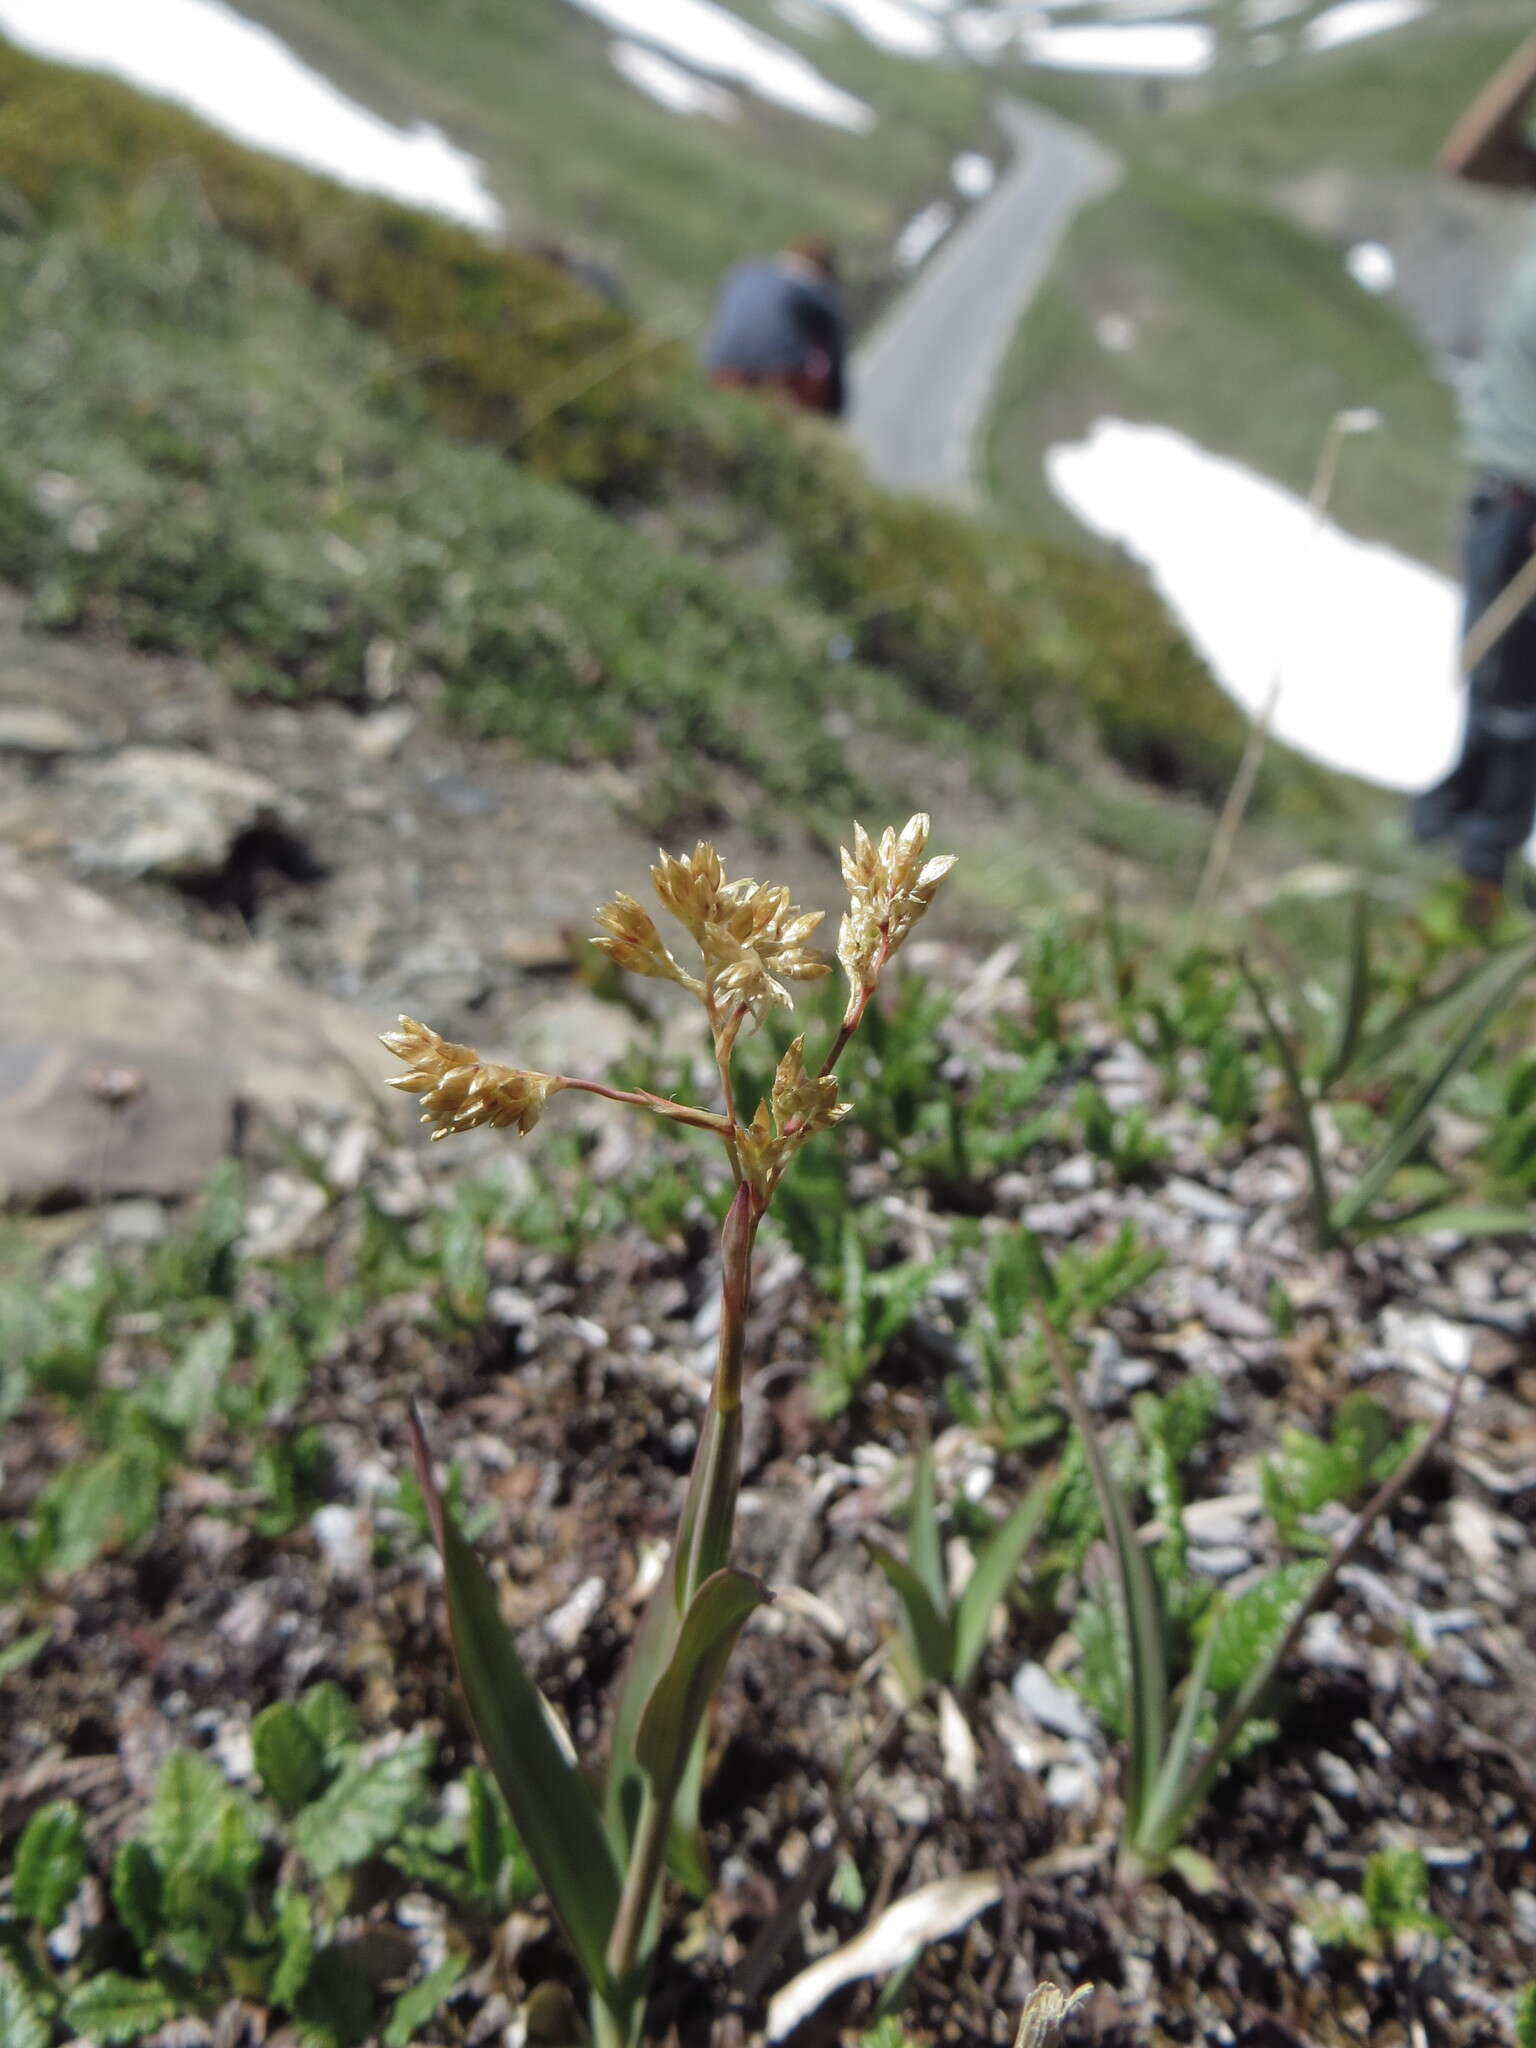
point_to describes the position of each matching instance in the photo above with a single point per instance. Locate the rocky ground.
(570, 1409)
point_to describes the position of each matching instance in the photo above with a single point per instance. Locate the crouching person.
(778, 326)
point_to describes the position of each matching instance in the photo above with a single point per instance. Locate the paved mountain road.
(922, 379)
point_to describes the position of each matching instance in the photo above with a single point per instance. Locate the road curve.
(922, 379)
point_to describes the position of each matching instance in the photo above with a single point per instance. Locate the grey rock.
(37, 731)
(133, 1221)
(84, 1118)
(1055, 1706)
(171, 814)
(127, 1048)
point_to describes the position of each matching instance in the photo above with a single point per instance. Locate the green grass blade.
(927, 1629)
(675, 1710)
(924, 1550)
(995, 1569)
(555, 1814)
(1320, 1194)
(1411, 1124)
(703, 1538)
(1147, 1695)
(1357, 996)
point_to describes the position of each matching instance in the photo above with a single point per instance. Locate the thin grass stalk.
(1147, 1693)
(1235, 809)
(1319, 1193)
(1411, 1124)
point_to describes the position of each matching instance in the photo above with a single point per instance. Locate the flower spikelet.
(458, 1090)
(890, 886)
(752, 937)
(799, 1106)
(690, 886)
(803, 1103)
(633, 941)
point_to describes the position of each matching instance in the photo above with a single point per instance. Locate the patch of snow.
(1115, 332)
(1361, 641)
(801, 15)
(243, 80)
(671, 84)
(1372, 266)
(904, 30)
(712, 39)
(922, 233)
(983, 32)
(1168, 50)
(973, 175)
(1352, 19)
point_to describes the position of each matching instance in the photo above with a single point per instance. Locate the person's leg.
(1485, 547)
(1500, 807)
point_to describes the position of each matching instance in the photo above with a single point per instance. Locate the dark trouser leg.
(1488, 801)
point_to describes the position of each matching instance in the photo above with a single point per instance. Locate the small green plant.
(222, 1894)
(1058, 974)
(1193, 1012)
(1230, 1087)
(1173, 1758)
(1359, 1453)
(1357, 1210)
(602, 1865)
(1126, 1143)
(1525, 2018)
(1076, 1285)
(874, 1307)
(943, 1638)
(1393, 1906)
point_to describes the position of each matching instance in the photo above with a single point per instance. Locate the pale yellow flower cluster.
(752, 938)
(800, 1105)
(458, 1090)
(890, 886)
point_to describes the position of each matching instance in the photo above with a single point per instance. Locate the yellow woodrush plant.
(603, 1867)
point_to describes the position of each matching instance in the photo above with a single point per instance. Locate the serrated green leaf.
(556, 1817)
(363, 1809)
(1395, 1886)
(927, 1631)
(189, 1393)
(414, 2008)
(186, 1811)
(21, 2024)
(296, 1947)
(290, 1760)
(106, 1505)
(50, 1862)
(112, 2008)
(994, 1572)
(1249, 1625)
(331, 1718)
(137, 1893)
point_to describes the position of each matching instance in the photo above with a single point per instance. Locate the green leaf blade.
(927, 1630)
(363, 1810)
(996, 1568)
(50, 1862)
(110, 2008)
(674, 1713)
(290, 1760)
(553, 1811)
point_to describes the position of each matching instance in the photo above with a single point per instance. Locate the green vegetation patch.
(1021, 643)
